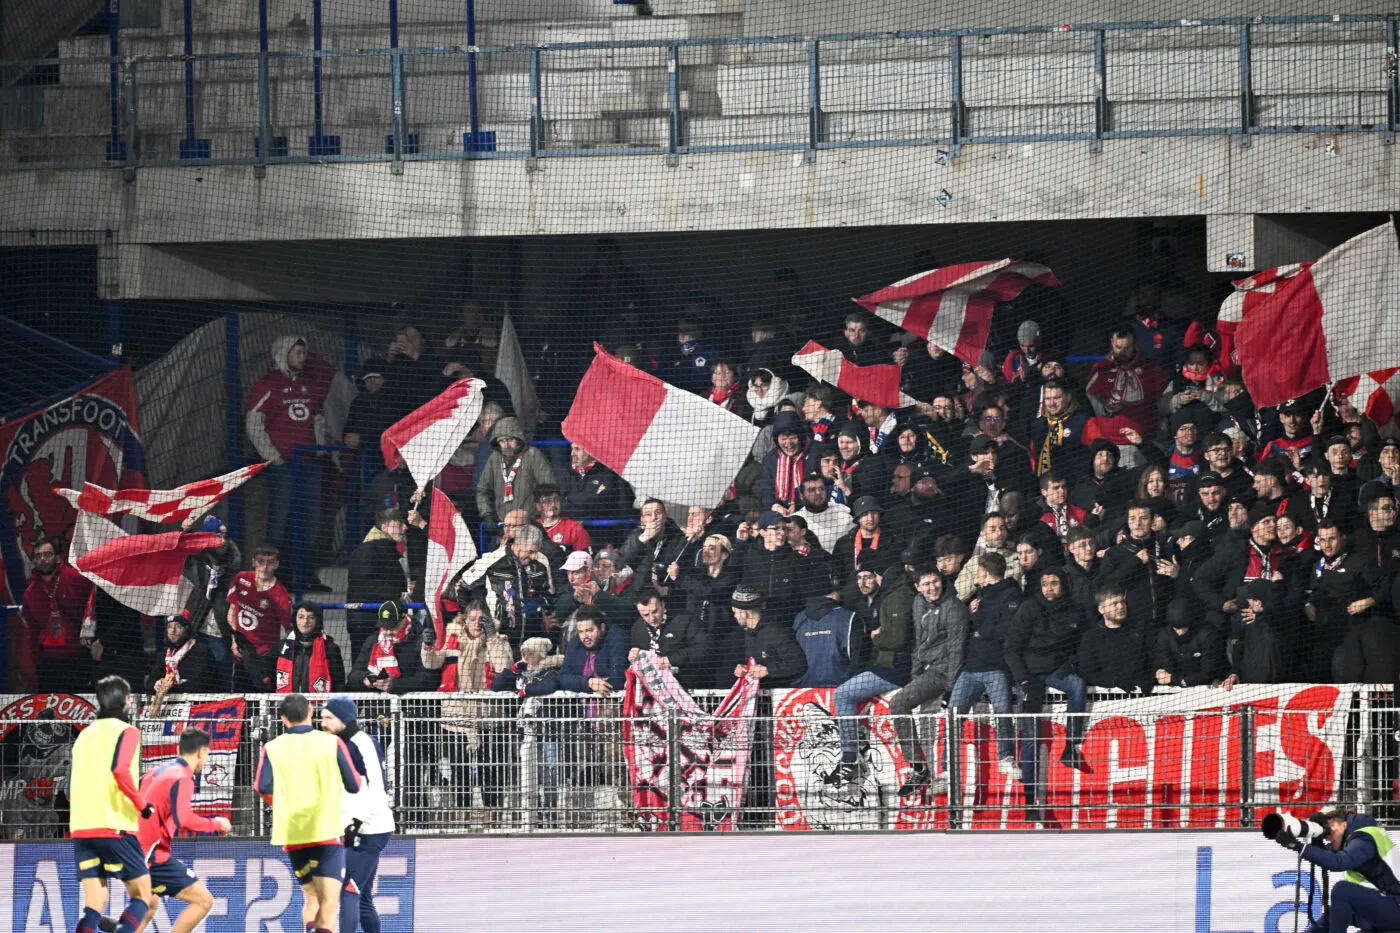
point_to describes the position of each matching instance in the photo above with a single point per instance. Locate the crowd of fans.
(1018, 529)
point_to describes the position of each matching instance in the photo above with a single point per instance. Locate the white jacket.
(371, 804)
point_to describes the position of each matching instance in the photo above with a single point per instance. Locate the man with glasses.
(1219, 453)
(1379, 542)
(1014, 459)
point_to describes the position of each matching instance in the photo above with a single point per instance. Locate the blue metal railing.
(957, 125)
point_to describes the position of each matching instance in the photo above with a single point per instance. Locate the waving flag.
(668, 443)
(1326, 322)
(144, 572)
(1374, 393)
(160, 505)
(427, 437)
(1249, 294)
(450, 548)
(512, 370)
(878, 384)
(952, 307)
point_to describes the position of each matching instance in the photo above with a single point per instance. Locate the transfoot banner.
(1172, 761)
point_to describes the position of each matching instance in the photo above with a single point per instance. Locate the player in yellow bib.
(303, 774)
(106, 808)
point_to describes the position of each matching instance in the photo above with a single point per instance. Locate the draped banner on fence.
(713, 750)
(223, 720)
(36, 742)
(1161, 761)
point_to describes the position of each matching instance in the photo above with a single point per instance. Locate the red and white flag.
(1249, 294)
(668, 443)
(1325, 323)
(160, 505)
(878, 384)
(1374, 393)
(427, 437)
(450, 548)
(952, 307)
(144, 572)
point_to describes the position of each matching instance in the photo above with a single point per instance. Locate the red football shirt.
(261, 617)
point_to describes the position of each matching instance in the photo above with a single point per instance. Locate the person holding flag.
(302, 774)
(106, 807)
(368, 820)
(169, 790)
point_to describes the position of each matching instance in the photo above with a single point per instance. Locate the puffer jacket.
(1044, 636)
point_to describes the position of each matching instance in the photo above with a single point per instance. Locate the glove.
(1289, 841)
(148, 811)
(352, 834)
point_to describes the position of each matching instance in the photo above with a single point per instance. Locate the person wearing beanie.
(1105, 482)
(786, 464)
(774, 569)
(210, 573)
(867, 539)
(309, 660)
(368, 820)
(771, 654)
(371, 412)
(186, 665)
(1240, 557)
(392, 661)
(1023, 363)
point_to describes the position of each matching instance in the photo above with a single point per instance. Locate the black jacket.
(778, 575)
(197, 671)
(1148, 591)
(1218, 579)
(413, 677)
(1114, 657)
(1044, 636)
(376, 575)
(683, 641)
(598, 493)
(774, 645)
(649, 559)
(991, 623)
(1194, 659)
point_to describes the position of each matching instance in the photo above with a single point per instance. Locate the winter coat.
(1044, 636)
(198, 671)
(413, 677)
(1194, 659)
(534, 471)
(892, 641)
(611, 664)
(377, 573)
(649, 559)
(517, 594)
(825, 633)
(774, 645)
(940, 634)
(594, 494)
(1148, 591)
(685, 643)
(990, 624)
(1115, 657)
(777, 574)
(543, 680)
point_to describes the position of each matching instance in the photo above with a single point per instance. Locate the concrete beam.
(719, 191)
(1243, 243)
(145, 271)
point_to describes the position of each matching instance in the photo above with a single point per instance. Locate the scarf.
(1261, 562)
(508, 473)
(173, 657)
(1054, 437)
(789, 476)
(318, 670)
(764, 403)
(718, 397)
(874, 545)
(382, 659)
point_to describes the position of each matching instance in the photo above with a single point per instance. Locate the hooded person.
(309, 660)
(1103, 481)
(513, 472)
(858, 473)
(210, 573)
(186, 665)
(786, 464)
(392, 661)
(830, 638)
(285, 412)
(1188, 652)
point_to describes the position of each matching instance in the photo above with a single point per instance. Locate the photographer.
(1369, 897)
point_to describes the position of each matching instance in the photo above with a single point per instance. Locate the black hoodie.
(1045, 636)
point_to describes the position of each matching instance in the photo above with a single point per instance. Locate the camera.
(1290, 832)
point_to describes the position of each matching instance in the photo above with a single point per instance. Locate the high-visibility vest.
(95, 800)
(1385, 848)
(306, 788)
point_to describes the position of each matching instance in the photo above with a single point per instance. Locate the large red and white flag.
(144, 572)
(1326, 322)
(952, 307)
(668, 443)
(878, 384)
(427, 437)
(1248, 295)
(1375, 393)
(450, 548)
(160, 505)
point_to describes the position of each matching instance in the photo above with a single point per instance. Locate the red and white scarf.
(508, 472)
(789, 478)
(173, 657)
(382, 659)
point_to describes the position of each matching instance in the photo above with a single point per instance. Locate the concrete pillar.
(1248, 242)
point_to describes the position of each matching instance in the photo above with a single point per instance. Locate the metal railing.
(493, 762)
(946, 88)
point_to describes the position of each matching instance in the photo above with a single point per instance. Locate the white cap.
(578, 560)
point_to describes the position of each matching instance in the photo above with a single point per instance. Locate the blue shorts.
(324, 861)
(170, 877)
(110, 858)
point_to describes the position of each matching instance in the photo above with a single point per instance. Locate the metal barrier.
(1238, 77)
(493, 762)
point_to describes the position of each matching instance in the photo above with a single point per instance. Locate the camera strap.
(1312, 885)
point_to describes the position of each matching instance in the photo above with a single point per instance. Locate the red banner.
(1165, 761)
(91, 436)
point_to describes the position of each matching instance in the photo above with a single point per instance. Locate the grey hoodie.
(534, 471)
(940, 634)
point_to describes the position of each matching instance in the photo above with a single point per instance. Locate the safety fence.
(1201, 758)
(207, 104)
